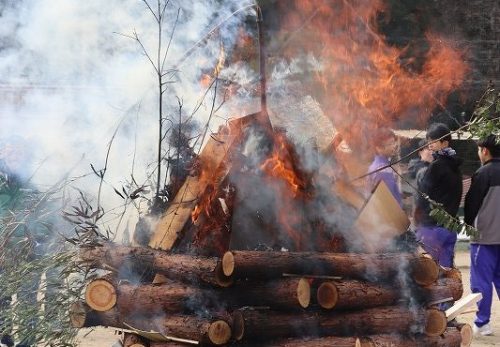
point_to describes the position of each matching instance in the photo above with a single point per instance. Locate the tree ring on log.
(327, 295)
(425, 271)
(100, 295)
(467, 335)
(435, 322)
(219, 332)
(304, 292)
(228, 263)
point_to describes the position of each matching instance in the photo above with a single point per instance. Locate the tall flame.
(366, 82)
(206, 79)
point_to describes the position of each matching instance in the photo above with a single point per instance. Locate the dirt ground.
(102, 337)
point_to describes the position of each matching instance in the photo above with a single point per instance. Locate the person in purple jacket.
(386, 147)
(482, 211)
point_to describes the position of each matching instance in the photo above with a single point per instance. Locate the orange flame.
(366, 82)
(206, 79)
(279, 166)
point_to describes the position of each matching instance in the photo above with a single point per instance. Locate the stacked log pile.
(272, 298)
(313, 294)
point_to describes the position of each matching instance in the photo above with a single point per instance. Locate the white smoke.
(68, 80)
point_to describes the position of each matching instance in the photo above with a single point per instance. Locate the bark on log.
(450, 338)
(181, 267)
(307, 342)
(442, 289)
(355, 294)
(269, 324)
(167, 297)
(285, 293)
(212, 332)
(82, 316)
(452, 273)
(133, 340)
(256, 264)
(299, 342)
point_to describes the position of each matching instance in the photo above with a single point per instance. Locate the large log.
(259, 325)
(329, 341)
(269, 264)
(181, 267)
(450, 338)
(151, 298)
(207, 331)
(465, 331)
(442, 289)
(355, 294)
(82, 316)
(284, 293)
(287, 293)
(133, 340)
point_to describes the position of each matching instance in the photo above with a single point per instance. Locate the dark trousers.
(484, 274)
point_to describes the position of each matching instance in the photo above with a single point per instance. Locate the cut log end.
(435, 322)
(238, 328)
(219, 332)
(228, 263)
(425, 271)
(100, 295)
(221, 278)
(137, 345)
(304, 293)
(327, 295)
(467, 335)
(77, 314)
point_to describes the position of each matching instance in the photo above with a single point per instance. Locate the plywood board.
(380, 220)
(463, 305)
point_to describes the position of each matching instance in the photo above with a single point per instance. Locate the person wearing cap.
(481, 211)
(442, 183)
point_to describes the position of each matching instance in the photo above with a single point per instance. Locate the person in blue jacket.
(482, 211)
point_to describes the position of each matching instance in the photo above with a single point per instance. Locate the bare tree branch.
(151, 10)
(170, 39)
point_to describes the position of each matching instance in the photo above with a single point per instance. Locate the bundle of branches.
(37, 265)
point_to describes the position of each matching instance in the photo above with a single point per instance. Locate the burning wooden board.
(380, 220)
(213, 154)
